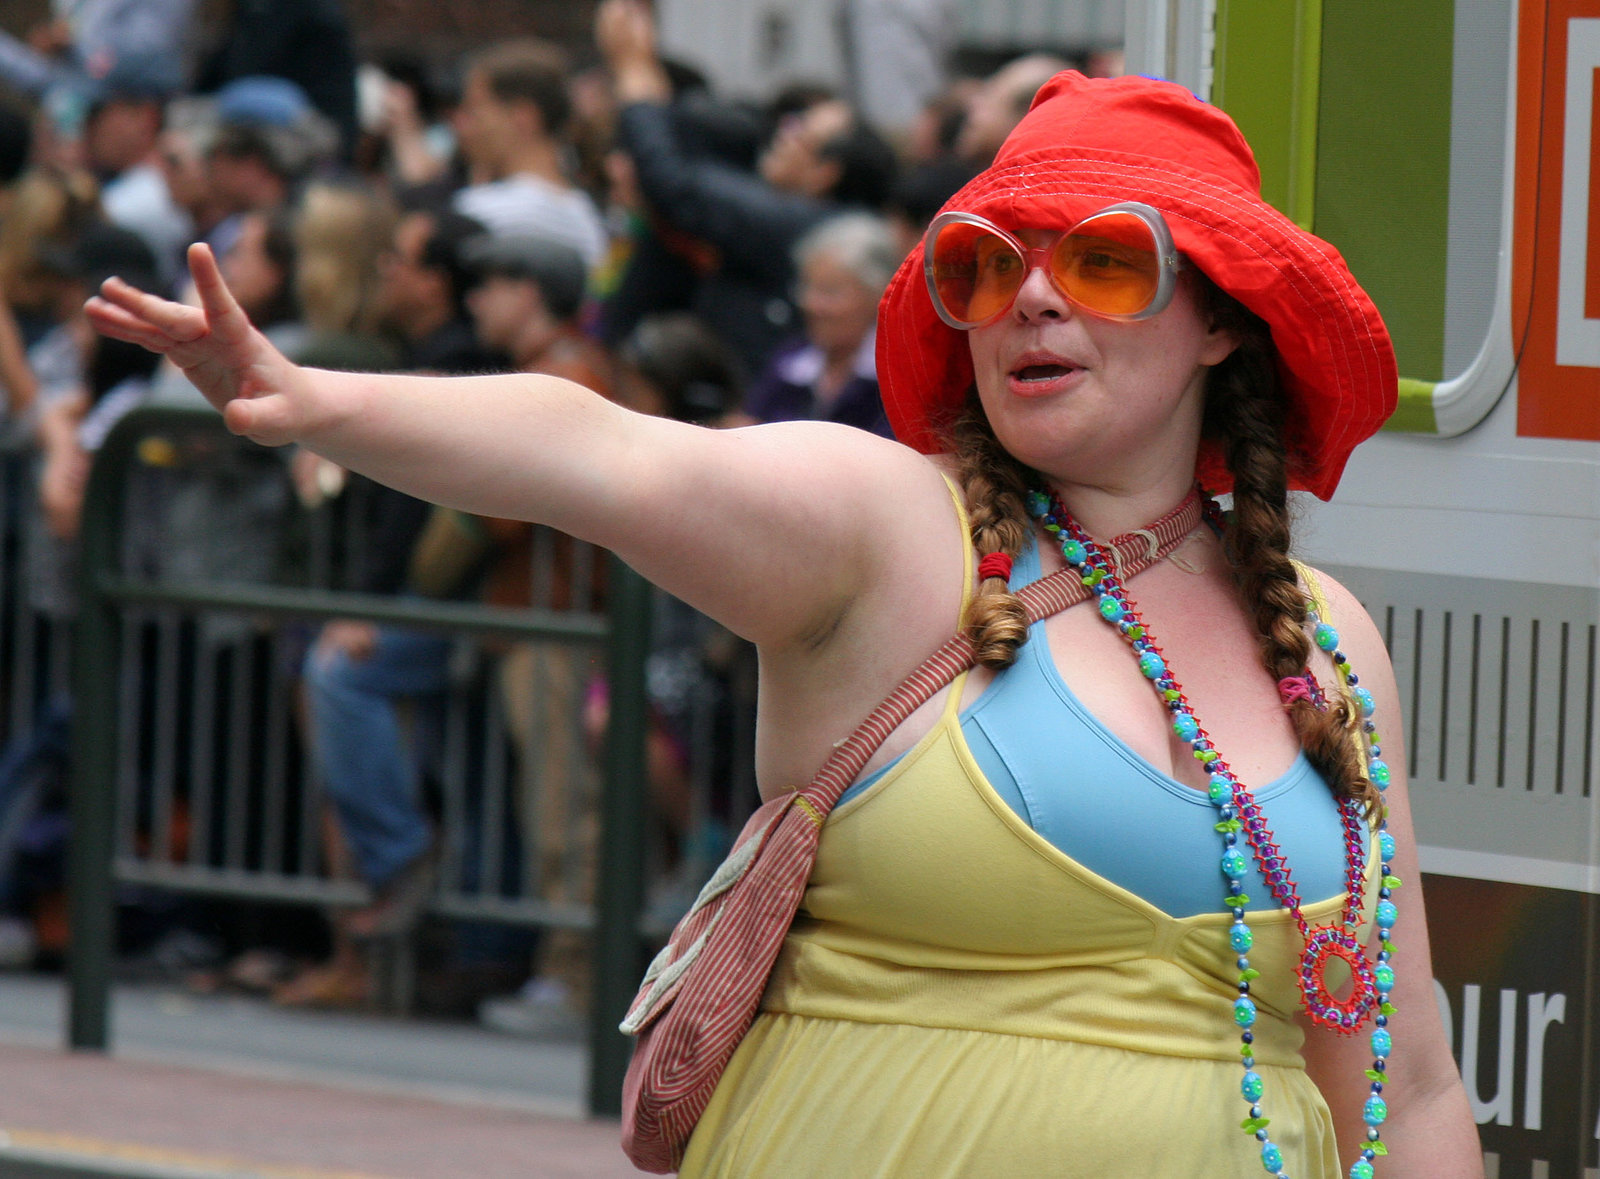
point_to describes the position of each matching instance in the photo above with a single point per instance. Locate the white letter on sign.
(1577, 338)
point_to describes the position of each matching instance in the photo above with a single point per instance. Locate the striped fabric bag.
(700, 994)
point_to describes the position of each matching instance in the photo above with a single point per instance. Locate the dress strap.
(965, 525)
(1308, 578)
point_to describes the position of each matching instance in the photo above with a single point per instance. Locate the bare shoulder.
(777, 531)
(1359, 637)
(834, 452)
(1345, 610)
(869, 496)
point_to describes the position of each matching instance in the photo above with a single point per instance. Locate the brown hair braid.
(994, 484)
(1244, 413)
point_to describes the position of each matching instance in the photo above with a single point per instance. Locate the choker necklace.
(1238, 812)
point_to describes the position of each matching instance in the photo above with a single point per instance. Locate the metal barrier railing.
(122, 617)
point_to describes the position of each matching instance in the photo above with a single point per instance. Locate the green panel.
(1415, 411)
(1383, 162)
(1266, 77)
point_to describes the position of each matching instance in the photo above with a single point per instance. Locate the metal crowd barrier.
(183, 774)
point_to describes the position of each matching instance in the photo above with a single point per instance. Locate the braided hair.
(1244, 413)
(995, 484)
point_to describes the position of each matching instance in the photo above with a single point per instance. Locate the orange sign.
(1555, 278)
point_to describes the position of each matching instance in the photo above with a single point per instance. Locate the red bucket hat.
(1089, 142)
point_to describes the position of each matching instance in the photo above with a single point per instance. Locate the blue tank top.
(1086, 791)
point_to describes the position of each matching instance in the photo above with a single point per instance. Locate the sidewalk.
(224, 1088)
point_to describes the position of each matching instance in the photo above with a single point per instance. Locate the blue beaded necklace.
(1238, 812)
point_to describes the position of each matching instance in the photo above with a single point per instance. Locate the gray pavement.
(223, 1087)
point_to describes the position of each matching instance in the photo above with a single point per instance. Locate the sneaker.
(541, 1010)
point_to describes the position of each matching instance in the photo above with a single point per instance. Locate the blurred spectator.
(267, 139)
(919, 193)
(19, 388)
(49, 213)
(831, 372)
(47, 207)
(75, 419)
(358, 675)
(593, 129)
(933, 136)
(735, 228)
(423, 292)
(525, 303)
(356, 672)
(307, 42)
(86, 40)
(513, 129)
(1105, 63)
(260, 269)
(1000, 102)
(414, 146)
(121, 137)
(106, 383)
(341, 232)
(673, 366)
(181, 151)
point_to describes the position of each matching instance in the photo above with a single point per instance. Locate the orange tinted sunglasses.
(1119, 263)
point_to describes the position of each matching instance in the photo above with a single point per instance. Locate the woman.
(829, 373)
(966, 994)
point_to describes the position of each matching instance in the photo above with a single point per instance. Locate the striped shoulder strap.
(1135, 552)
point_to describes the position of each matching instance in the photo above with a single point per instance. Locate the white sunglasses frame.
(1166, 255)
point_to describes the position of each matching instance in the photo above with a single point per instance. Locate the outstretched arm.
(776, 531)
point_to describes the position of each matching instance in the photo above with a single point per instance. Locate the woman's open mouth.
(1041, 372)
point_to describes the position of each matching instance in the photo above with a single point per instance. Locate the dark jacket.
(728, 229)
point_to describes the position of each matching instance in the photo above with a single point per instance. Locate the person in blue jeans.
(359, 675)
(356, 677)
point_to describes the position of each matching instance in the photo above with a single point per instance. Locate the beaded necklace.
(1237, 812)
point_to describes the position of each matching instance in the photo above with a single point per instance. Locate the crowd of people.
(711, 260)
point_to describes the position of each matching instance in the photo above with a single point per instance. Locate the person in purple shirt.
(830, 373)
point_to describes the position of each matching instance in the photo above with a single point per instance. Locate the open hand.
(260, 393)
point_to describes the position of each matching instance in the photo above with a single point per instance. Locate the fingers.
(112, 320)
(215, 297)
(179, 324)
